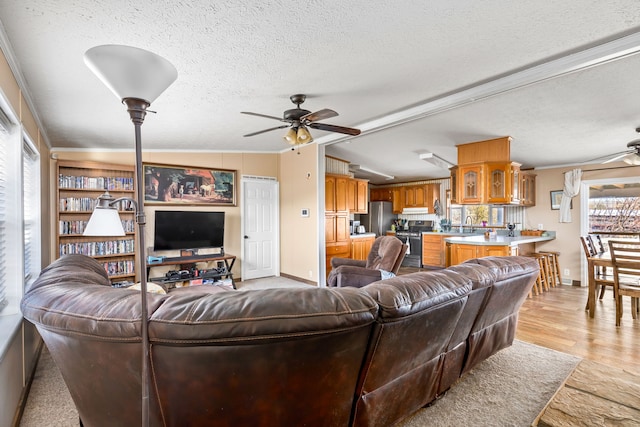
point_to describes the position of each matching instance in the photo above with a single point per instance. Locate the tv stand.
(188, 262)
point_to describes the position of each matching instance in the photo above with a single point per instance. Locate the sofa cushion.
(231, 315)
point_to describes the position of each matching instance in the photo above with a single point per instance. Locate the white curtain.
(571, 189)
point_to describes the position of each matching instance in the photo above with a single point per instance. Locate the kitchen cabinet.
(420, 196)
(528, 189)
(336, 229)
(335, 193)
(433, 250)
(487, 183)
(496, 185)
(471, 182)
(382, 194)
(397, 200)
(459, 253)
(454, 196)
(358, 196)
(361, 246)
(415, 196)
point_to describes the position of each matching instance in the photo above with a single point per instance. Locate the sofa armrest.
(337, 262)
(349, 275)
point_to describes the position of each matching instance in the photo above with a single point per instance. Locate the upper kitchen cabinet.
(382, 194)
(358, 196)
(335, 193)
(454, 186)
(421, 196)
(397, 200)
(527, 188)
(471, 180)
(486, 175)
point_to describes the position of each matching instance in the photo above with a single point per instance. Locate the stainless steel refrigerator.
(379, 218)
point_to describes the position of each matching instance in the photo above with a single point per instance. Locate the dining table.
(593, 263)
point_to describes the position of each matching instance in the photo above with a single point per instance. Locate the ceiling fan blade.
(266, 130)
(608, 158)
(334, 128)
(618, 156)
(318, 115)
(264, 115)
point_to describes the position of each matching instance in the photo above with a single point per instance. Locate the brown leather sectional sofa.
(311, 356)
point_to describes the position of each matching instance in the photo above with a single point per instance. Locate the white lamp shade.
(131, 72)
(104, 222)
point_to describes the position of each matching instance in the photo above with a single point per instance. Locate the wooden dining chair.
(625, 257)
(601, 278)
(600, 247)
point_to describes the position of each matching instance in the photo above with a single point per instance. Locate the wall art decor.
(181, 185)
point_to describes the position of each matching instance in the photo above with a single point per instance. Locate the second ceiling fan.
(298, 120)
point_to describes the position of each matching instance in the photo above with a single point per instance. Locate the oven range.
(413, 237)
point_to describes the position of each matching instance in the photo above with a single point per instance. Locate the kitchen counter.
(499, 240)
(361, 235)
(451, 233)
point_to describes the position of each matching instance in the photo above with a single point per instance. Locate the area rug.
(509, 389)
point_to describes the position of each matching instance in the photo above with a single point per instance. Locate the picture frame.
(186, 185)
(556, 199)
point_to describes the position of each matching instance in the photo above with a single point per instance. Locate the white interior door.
(260, 219)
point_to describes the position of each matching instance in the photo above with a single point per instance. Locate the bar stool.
(542, 280)
(554, 266)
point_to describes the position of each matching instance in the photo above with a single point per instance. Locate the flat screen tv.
(188, 230)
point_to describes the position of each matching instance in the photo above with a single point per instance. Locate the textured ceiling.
(362, 59)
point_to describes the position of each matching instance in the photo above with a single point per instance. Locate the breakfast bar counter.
(462, 248)
(499, 240)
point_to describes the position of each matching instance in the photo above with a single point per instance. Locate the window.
(30, 211)
(4, 143)
(477, 215)
(614, 208)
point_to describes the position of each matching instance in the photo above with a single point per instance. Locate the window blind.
(31, 215)
(4, 142)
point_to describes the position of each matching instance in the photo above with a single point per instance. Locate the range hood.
(415, 211)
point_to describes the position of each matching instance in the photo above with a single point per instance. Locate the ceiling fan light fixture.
(303, 136)
(291, 136)
(632, 159)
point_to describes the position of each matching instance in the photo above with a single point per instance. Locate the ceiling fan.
(630, 156)
(298, 119)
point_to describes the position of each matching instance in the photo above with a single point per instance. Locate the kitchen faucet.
(469, 221)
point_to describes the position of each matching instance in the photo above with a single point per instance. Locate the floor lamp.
(137, 77)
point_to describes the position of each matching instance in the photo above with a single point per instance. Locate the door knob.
(246, 237)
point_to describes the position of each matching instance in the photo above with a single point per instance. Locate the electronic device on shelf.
(178, 274)
(188, 230)
(155, 259)
(213, 272)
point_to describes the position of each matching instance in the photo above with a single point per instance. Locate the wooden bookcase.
(79, 185)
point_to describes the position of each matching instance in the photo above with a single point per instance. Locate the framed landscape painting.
(180, 185)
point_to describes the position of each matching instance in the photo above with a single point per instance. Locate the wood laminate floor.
(557, 320)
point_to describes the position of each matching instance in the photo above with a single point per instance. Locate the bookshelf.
(79, 185)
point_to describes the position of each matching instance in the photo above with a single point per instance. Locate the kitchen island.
(462, 248)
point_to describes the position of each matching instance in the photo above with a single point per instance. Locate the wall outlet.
(310, 274)
(540, 227)
(567, 272)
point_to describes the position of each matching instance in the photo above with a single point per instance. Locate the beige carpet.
(508, 389)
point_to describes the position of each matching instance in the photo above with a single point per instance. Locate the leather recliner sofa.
(367, 356)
